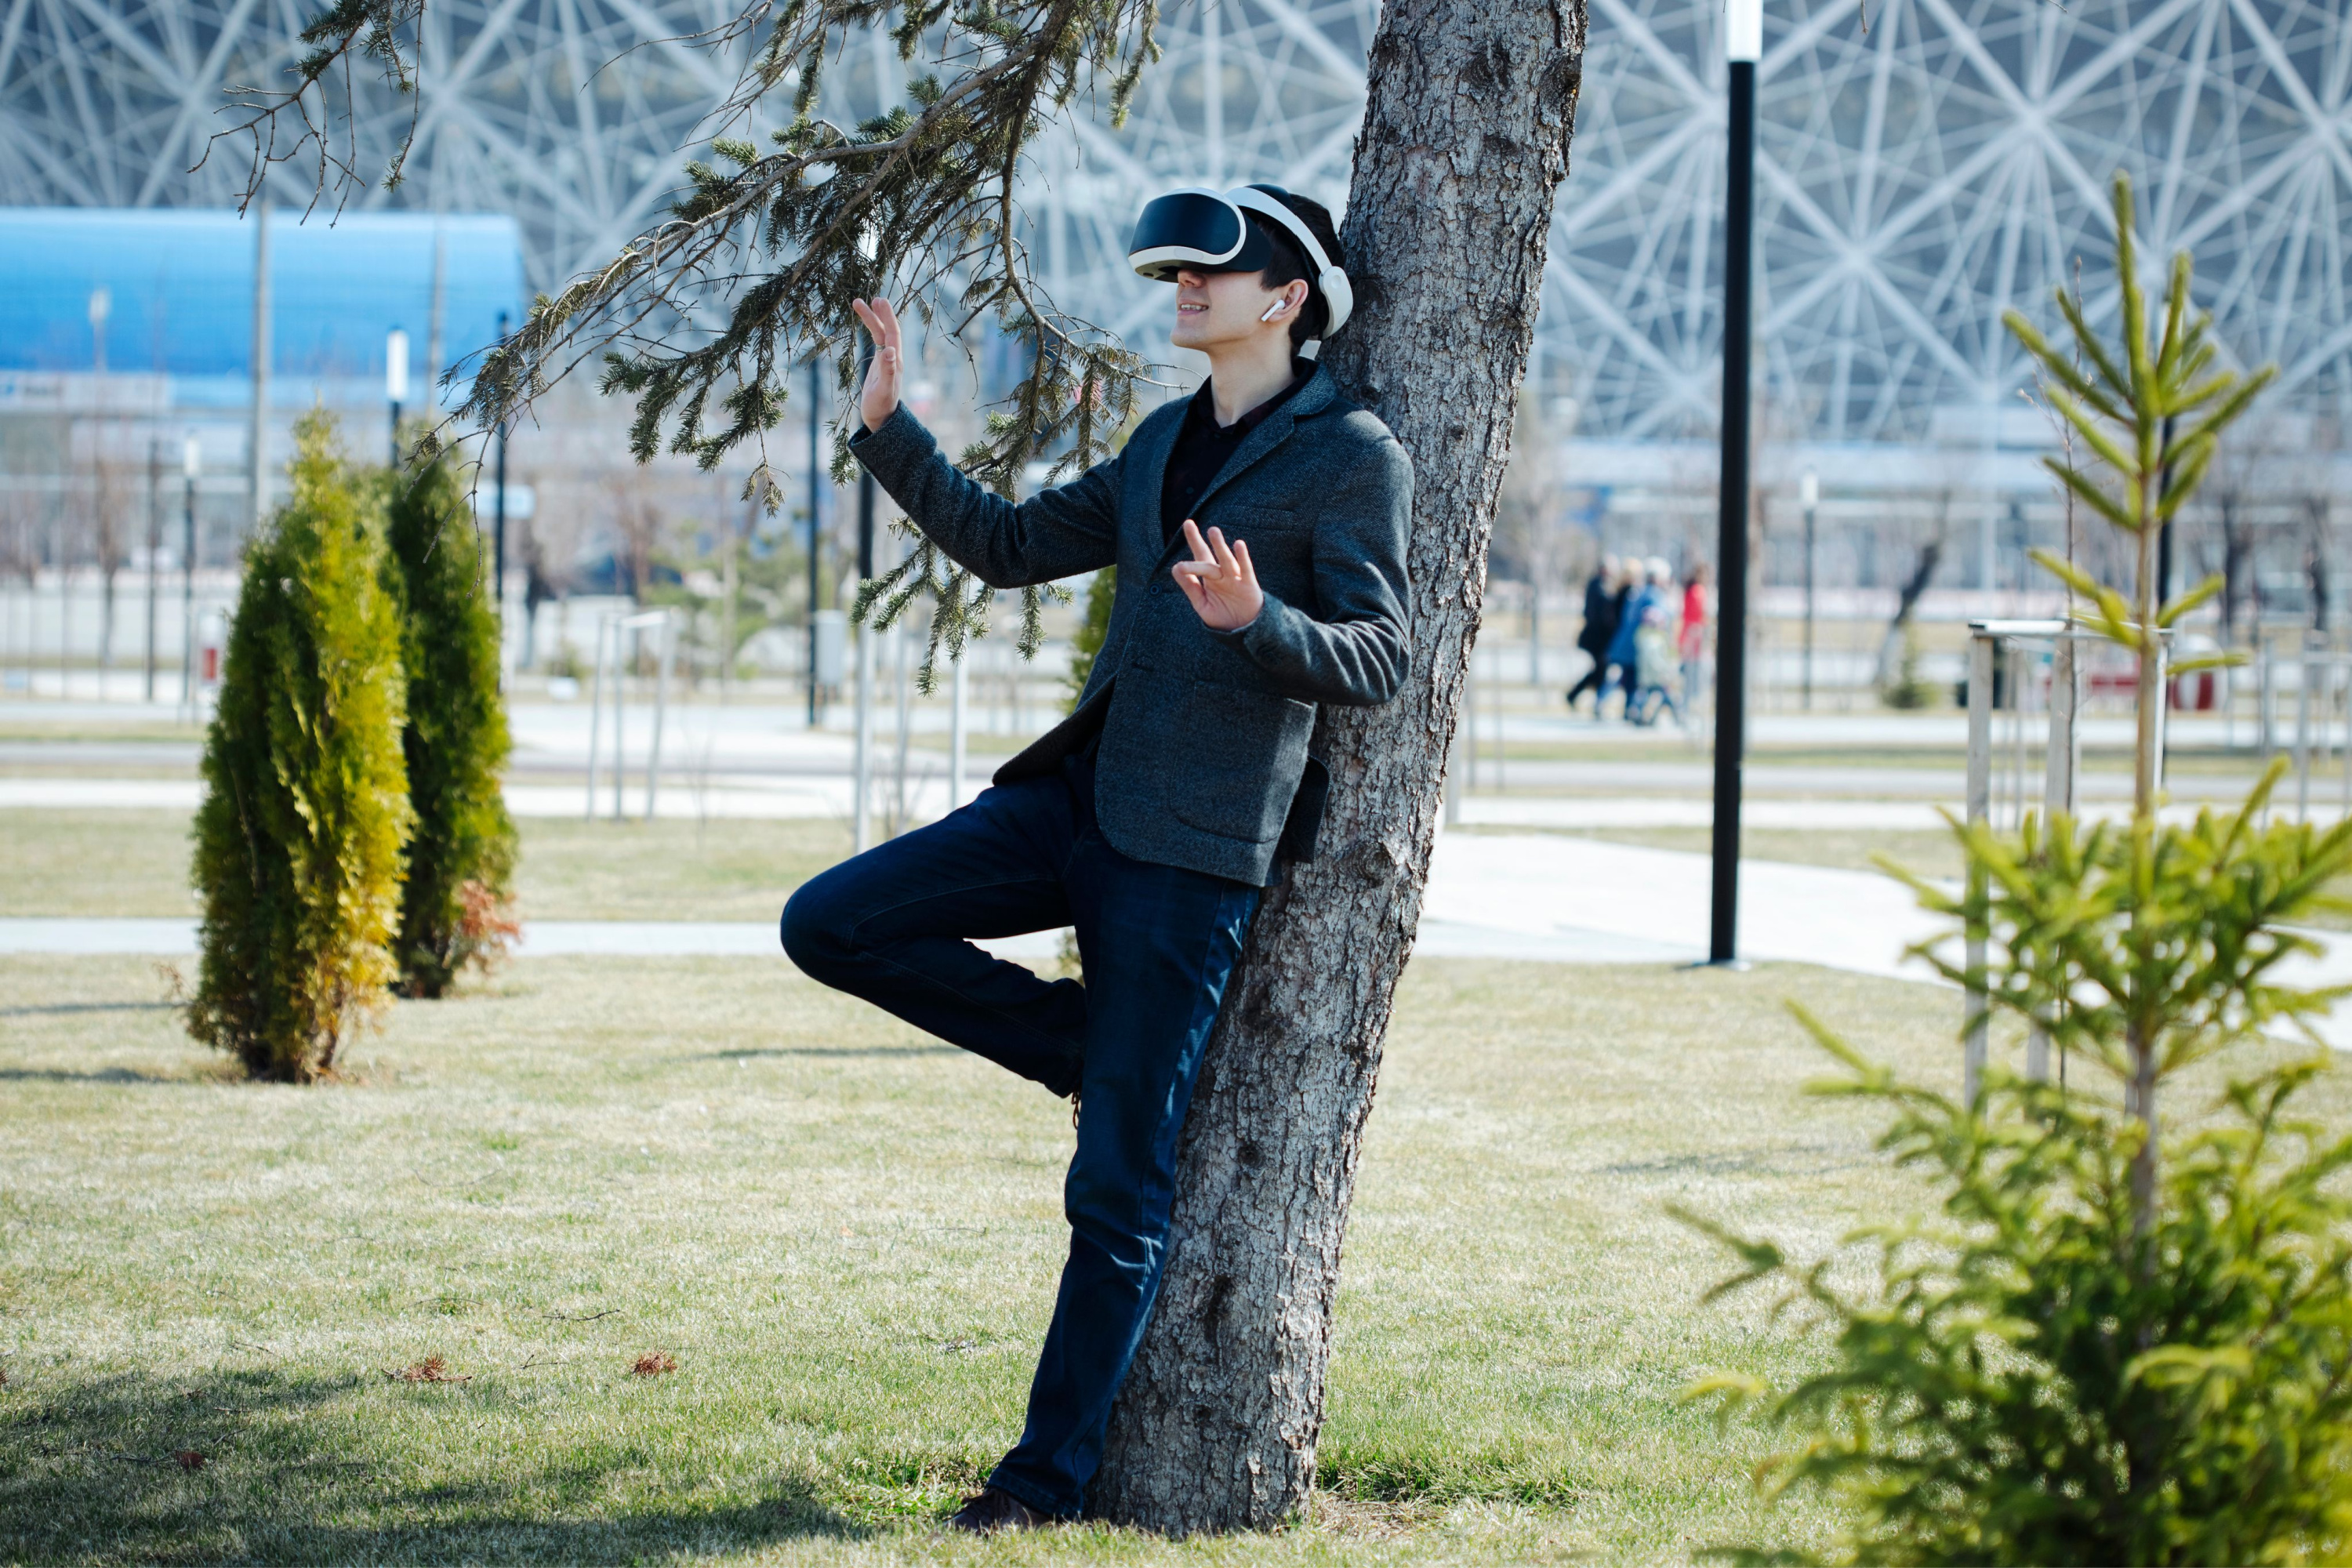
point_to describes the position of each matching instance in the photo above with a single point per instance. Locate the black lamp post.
(1743, 41)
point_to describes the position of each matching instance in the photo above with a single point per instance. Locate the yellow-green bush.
(461, 856)
(299, 840)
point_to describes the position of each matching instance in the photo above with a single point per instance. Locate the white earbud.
(1272, 311)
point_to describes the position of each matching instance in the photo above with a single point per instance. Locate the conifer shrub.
(2118, 1339)
(1093, 627)
(455, 906)
(298, 842)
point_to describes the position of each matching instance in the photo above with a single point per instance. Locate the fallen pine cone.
(432, 1369)
(190, 1459)
(652, 1363)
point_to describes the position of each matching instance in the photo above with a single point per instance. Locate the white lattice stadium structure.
(1924, 165)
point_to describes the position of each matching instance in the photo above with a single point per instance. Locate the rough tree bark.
(1466, 141)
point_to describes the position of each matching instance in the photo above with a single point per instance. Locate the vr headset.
(1200, 230)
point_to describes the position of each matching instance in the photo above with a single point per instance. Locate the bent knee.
(816, 933)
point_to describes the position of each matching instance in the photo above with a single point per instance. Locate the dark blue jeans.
(1158, 945)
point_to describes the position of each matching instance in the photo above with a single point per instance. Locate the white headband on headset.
(1329, 281)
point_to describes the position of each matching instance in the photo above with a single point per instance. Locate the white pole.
(2342, 672)
(661, 703)
(2265, 685)
(1469, 725)
(595, 722)
(2062, 759)
(622, 639)
(955, 737)
(2016, 737)
(2302, 737)
(905, 685)
(257, 437)
(1502, 779)
(1979, 807)
(861, 807)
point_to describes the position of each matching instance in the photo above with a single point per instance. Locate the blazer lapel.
(1308, 399)
(1147, 471)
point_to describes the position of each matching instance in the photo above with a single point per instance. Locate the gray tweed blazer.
(1203, 760)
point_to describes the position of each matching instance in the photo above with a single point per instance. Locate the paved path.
(1543, 897)
(828, 798)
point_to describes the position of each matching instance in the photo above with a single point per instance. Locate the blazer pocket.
(1239, 520)
(1239, 756)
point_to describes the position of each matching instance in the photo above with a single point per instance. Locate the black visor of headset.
(1201, 230)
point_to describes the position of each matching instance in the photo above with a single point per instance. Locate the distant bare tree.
(2243, 471)
(1923, 573)
(1527, 535)
(2315, 557)
(114, 485)
(638, 525)
(20, 556)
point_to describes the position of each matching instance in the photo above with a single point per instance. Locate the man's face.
(1220, 310)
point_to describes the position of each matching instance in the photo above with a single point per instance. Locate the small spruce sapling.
(2108, 1345)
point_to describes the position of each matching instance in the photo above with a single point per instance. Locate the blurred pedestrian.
(1653, 685)
(1634, 599)
(1698, 611)
(1601, 603)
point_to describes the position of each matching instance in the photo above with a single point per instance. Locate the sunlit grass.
(846, 1235)
(135, 863)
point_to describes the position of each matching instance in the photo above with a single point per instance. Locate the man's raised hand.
(1220, 580)
(880, 396)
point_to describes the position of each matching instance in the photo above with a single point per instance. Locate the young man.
(1259, 532)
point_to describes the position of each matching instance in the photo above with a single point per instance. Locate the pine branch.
(704, 319)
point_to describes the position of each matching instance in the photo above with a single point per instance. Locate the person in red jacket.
(1697, 610)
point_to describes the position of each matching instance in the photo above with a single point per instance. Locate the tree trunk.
(1464, 143)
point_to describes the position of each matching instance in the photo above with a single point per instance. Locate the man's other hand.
(880, 396)
(1219, 580)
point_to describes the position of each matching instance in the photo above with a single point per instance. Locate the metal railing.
(2013, 642)
(623, 635)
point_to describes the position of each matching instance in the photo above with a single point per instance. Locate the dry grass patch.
(845, 1237)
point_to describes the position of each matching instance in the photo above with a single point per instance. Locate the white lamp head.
(396, 366)
(192, 459)
(1809, 490)
(1743, 30)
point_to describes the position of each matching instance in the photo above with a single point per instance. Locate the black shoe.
(993, 1511)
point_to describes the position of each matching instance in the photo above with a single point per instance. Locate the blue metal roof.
(181, 284)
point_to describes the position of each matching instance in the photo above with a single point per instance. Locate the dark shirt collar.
(1205, 405)
(1202, 446)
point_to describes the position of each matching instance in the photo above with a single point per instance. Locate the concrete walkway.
(1542, 897)
(823, 799)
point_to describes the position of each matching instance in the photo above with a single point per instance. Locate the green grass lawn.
(136, 863)
(846, 1235)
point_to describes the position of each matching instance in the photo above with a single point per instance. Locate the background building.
(1924, 165)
